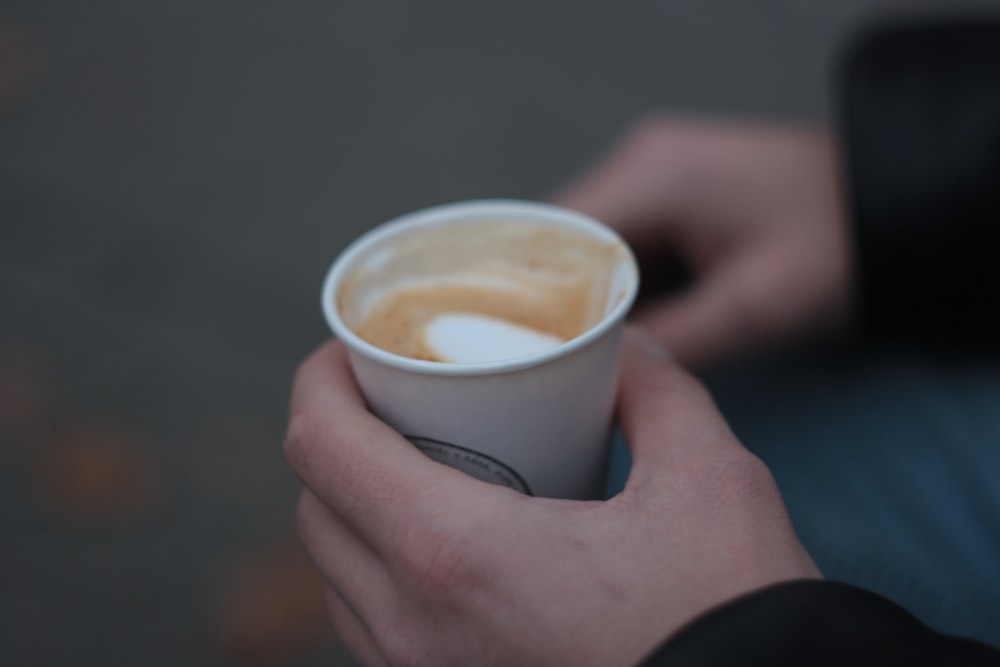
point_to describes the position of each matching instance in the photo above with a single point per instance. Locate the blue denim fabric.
(889, 463)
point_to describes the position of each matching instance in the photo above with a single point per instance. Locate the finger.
(609, 193)
(365, 472)
(353, 633)
(633, 190)
(668, 416)
(347, 562)
(715, 319)
(695, 327)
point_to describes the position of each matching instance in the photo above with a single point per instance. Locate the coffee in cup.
(473, 293)
(488, 334)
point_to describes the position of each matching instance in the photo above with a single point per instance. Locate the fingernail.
(648, 345)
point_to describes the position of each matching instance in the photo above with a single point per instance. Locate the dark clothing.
(814, 624)
(921, 130)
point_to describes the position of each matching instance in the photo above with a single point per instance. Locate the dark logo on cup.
(471, 462)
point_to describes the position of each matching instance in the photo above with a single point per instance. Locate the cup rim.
(443, 213)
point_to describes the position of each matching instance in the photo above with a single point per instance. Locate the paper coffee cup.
(539, 422)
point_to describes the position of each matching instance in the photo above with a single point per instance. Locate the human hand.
(755, 214)
(428, 566)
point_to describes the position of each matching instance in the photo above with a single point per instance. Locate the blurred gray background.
(175, 178)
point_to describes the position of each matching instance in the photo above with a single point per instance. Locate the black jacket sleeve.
(921, 126)
(815, 624)
(920, 112)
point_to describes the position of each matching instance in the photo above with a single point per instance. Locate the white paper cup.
(541, 423)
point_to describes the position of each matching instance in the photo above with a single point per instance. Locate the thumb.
(668, 416)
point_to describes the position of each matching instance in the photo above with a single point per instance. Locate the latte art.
(482, 293)
(470, 339)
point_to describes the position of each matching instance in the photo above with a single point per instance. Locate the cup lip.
(441, 214)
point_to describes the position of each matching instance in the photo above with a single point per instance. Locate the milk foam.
(469, 338)
(482, 291)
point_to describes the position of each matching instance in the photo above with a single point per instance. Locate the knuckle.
(299, 442)
(442, 561)
(743, 480)
(440, 565)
